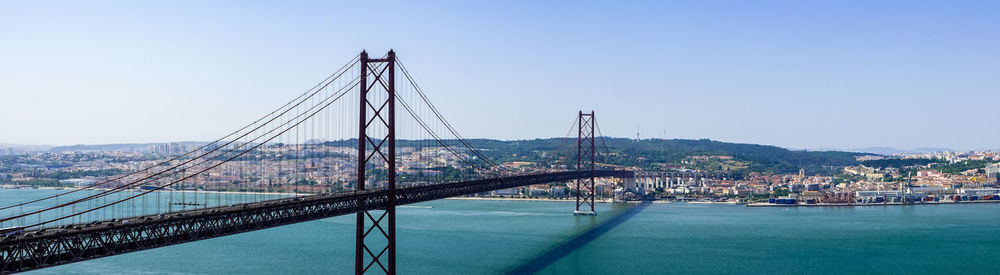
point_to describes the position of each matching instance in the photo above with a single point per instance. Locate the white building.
(993, 169)
(879, 193)
(981, 192)
(79, 182)
(508, 191)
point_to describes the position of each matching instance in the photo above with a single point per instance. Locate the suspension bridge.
(339, 148)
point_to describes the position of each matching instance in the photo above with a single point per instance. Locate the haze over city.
(803, 74)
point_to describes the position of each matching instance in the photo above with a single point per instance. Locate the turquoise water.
(476, 237)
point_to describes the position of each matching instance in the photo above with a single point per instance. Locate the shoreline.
(518, 199)
(869, 204)
(564, 200)
(596, 201)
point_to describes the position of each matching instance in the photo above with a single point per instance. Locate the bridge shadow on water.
(552, 255)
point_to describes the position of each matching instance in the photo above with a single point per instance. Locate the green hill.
(657, 153)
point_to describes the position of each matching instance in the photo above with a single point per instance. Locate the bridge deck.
(61, 245)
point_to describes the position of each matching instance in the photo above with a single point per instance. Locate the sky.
(796, 74)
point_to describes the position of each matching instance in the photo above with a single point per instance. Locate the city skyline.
(807, 75)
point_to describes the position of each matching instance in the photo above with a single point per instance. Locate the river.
(495, 237)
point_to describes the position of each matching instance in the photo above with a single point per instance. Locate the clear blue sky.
(799, 74)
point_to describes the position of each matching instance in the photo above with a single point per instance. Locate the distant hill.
(890, 150)
(878, 150)
(14, 149)
(932, 150)
(125, 147)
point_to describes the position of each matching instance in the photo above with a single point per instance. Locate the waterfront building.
(538, 190)
(936, 191)
(981, 191)
(680, 190)
(507, 192)
(79, 182)
(558, 191)
(879, 193)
